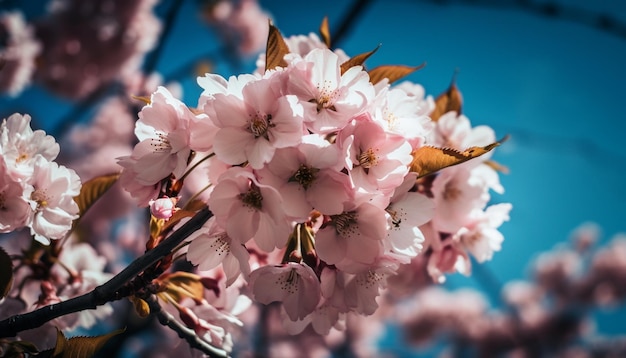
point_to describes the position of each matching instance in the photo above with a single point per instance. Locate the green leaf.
(80, 347)
(93, 189)
(392, 72)
(6, 273)
(428, 160)
(357, 60)
(276, 49)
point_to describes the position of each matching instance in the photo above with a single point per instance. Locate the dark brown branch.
(108, 291)
(183, 332)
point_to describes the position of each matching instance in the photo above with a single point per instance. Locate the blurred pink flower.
(295, 285)
(18, 53)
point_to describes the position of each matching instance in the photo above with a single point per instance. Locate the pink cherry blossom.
(52, 200)
(415, 90)
(355, 235)
(143, 194)
(211, 246)
(294, 285)
(20, 145)
(407, 211)
(14, 209)
(330, 98)
(447, 257)
(457, 193)
(248, 209)
(376, 160)
(398, 112)
(481, 237)
(308, 177)
(253, 126)
(164, 139)
(362, 290)
(455, 131)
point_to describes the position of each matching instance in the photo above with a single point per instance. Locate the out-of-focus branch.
(349, 19)
(107, 292)
(601, 21)
(183, 332)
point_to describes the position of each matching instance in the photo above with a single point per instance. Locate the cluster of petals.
(314, 167)
(35, 191)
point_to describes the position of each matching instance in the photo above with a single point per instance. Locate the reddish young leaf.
(325, 31)
(93, 189)
(450, 100)
(391, 72)
(357, 60)
(428, 160)
(80, 347)
(276, 49)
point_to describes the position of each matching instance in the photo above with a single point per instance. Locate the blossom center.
(368, 158)
(260, 124)
(451, 192)
(160, 143)
(252, 198)
(345, 223)
(288, 282)
(370, 280)
(396, 218)
(41, 197)
(221, 245)
(390, 117)
(22, 157)
(305, 176)
(326, 98)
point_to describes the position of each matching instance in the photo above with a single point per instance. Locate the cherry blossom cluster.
(35, 191)
(307, 170)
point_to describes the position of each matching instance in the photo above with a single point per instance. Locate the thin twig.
(108, 291)
(185, 333)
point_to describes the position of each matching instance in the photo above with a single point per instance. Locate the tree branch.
(108, 291)
(185, 333)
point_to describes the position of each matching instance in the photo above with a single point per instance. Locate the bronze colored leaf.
(357, 60)
(80, 347)
(143, 99)
(276, 49)
(141, 307)
(428, 160)
(93, 189)
(392, 72)
(450, 100)
(497, 166)
(325, 31)
(181, 284)
(6, 273)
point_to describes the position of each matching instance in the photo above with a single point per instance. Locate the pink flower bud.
(163, 208)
